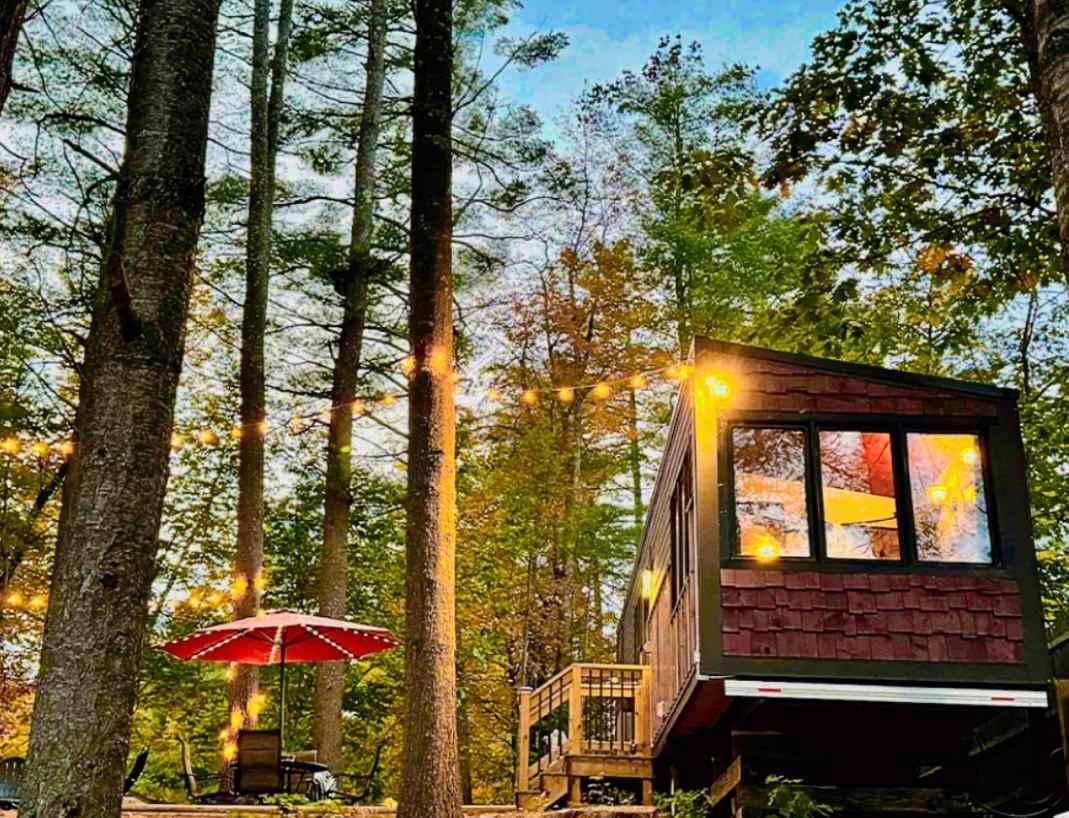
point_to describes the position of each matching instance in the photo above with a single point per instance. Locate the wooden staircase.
(588, 721)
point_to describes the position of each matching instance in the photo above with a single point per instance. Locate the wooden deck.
(131, 810)
(588, 721)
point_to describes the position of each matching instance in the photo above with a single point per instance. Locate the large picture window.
(946, 481)
(884, 494)
(771, 514)
(858, 492)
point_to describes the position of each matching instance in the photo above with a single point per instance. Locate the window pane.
(949, 505)
(770, 502)
(860, 513)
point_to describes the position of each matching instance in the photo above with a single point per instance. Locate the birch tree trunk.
(1046, 34)
(113, 496)
(265, 111)
(429, 766)
(333, 584)
(12, 13)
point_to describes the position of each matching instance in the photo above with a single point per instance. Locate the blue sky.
(608, 36)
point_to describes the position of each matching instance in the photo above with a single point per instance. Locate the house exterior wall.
(866, 620)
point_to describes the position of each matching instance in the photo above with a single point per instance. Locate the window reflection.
(949, 505)
(858, 487)
(770, 498)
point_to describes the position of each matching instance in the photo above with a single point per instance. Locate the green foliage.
(789, 800)
(683, 803)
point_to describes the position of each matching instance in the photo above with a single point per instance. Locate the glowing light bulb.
(717, 386)
(208, 437)
(683, 372)
(389, 399)
(66, 448)
(39, 602)
(529, 396)
(439, 360)
(969, 456)
(235, 433)
(295, 425)
(768, 547)
(40, 448)
(493, 394)
(408, 364)
(937, 493)
(601, 391)
(261, 427)
(324, 416)
(636, 381)
(566, 394)
(358, 408)
(239, 587)
(15, 599)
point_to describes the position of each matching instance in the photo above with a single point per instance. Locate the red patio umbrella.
(282, 636)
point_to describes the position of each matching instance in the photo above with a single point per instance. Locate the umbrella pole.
(282, 698)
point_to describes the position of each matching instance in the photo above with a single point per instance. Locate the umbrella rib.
(224, 641)
(329, 641)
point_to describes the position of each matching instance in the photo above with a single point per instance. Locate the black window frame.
(681, 531)
(898, 429)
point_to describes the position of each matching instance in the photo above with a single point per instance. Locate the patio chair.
(135, 771)
(259, 769)
(10, 778)
(192, 782)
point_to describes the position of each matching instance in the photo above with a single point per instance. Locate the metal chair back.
(11, 770)
(259, 768)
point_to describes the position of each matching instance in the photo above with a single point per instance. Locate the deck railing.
(587, 708)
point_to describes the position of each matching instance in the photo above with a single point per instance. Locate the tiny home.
(836, 583)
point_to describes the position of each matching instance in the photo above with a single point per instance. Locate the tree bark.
(12, 13)
(429, 779)
(1046, 35)
(333, 585)
(113, 495)
(265, 112)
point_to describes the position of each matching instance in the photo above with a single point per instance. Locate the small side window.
(771, 513)
(950, 512)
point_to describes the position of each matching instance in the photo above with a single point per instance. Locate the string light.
(437, 359)
(239, 587)
(15, 599)
(408, 365)
(39, 602)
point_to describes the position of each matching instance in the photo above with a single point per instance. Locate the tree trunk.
(429, 780)
(12, 13)
(265, 112)
(333, 585)
(1046, 35)
(113, 496)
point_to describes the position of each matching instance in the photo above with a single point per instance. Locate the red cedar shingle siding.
(769, 385)
(883, 617)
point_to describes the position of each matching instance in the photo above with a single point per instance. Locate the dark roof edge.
(897, 376)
